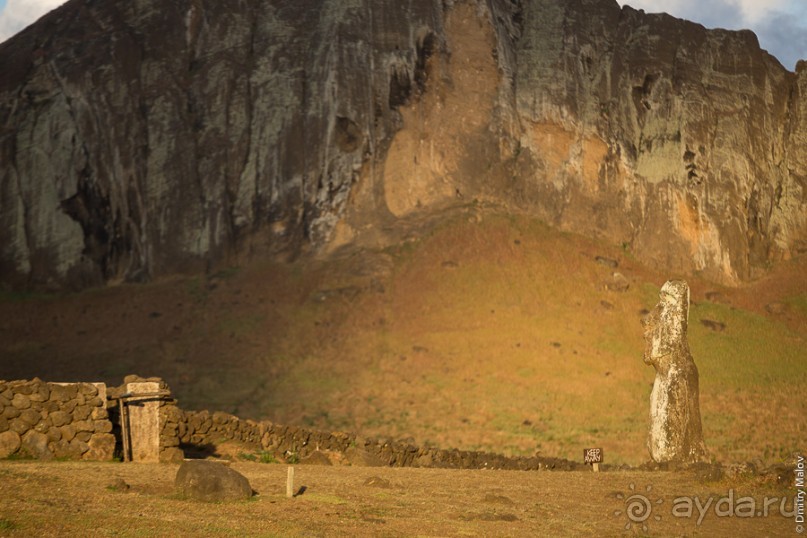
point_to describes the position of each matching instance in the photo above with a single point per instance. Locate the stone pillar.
(675, 419)
(144, 421)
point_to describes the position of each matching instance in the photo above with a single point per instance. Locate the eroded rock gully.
(144, 138)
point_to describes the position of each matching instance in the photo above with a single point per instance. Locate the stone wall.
(55, 420)
(74, 421)
(201, 429)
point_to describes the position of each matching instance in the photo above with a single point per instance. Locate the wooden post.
(596, 467)
(124, 430)
(290, 483)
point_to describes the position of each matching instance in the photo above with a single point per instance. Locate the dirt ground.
(80, 499)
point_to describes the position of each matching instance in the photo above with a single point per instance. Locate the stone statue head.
(665, 327)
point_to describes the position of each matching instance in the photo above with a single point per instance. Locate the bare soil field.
(89, 499)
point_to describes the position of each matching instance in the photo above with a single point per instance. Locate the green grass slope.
(487, 331)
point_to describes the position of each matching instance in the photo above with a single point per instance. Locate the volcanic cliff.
(144, 137)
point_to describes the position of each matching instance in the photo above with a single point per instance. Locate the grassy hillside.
(487, 331)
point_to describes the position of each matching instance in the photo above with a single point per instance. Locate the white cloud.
(20, 13)
(755, 11)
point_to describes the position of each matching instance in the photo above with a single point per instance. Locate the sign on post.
(593, 456)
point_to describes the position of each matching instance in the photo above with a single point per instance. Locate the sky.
(780, 25)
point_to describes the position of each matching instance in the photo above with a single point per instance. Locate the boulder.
(9, 443)
(78, 447)
(30, 417)
(21, 401)
(68, 432)
(63, 393)
(617, 282)
(101, 447)
(204, 480)
(36, 444)
(60, 418)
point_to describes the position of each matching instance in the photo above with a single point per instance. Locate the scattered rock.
(716, 326)
(776, 308)
(617, 282)
(449, 264)
(9, 443)
(606, 305)
(377, 482)
(210, 481)
(608, 262)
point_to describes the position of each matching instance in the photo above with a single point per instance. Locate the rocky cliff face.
(146, 137)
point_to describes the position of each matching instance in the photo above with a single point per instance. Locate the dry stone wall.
(200, 429)
(55, 420)
(83, 421)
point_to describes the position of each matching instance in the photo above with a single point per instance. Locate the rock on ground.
(210, 481)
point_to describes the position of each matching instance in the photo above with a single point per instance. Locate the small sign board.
(593, 456)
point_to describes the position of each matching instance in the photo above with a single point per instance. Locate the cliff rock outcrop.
(146, 137)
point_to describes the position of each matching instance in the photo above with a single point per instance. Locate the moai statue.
(675, 418)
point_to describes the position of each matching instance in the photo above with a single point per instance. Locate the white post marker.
(594, 457)
(290, 483)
